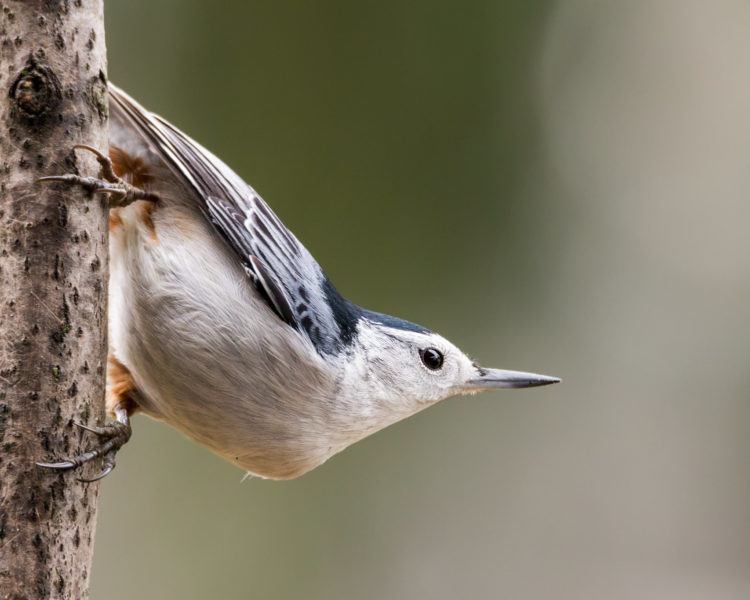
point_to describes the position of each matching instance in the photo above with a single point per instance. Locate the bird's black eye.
(432, 358)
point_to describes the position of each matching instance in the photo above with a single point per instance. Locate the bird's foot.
(119, 191)
(113, 436)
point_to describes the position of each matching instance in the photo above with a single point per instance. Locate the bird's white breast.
(207, 353)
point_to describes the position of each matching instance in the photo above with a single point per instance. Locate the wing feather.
(284, 272)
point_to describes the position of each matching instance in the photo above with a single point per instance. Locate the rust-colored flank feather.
(131, 168)
(120, 387)
(135, 171)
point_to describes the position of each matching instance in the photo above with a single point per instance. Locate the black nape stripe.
(345, 313)
(348, 315)
(393, 322)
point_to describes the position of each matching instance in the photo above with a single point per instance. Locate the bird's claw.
(65, 464)
(106, 432)
(119, 191)
(109, 465)
(104, 161)
(114, 434)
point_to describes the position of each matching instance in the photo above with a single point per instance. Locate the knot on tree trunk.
(35, 91)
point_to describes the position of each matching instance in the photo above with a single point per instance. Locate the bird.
(224, 326)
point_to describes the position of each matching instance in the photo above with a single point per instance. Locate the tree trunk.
(53, 291)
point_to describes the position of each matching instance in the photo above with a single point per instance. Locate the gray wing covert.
(284, 272)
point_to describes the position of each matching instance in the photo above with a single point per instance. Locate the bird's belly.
(206, 353)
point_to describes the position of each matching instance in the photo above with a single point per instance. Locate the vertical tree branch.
(53, 285)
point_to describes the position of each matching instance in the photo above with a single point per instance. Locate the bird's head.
(397, 368)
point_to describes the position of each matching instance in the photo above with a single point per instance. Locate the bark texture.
(53, 285)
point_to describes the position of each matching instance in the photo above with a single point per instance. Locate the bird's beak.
(499, 378)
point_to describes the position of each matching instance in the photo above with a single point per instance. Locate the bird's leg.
(120, 192)
(120, 404)
(113, 435)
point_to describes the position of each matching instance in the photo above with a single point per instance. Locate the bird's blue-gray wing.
(285, 273)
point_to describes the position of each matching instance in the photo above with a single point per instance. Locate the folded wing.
(283, 271)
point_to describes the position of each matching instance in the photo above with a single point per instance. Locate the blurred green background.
(557, 186)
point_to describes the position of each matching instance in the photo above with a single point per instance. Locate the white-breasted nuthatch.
(223, 325)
